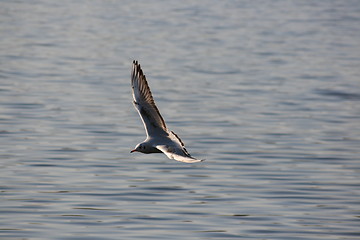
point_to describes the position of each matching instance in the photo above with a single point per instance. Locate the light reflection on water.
(267, 93)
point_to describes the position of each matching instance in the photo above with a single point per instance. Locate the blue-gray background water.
(268, 92)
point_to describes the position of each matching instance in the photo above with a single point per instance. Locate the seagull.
(159, 139)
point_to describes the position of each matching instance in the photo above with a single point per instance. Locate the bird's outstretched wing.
(144, 103)
(177, 154)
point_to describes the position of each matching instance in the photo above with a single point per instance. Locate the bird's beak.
(133, 151)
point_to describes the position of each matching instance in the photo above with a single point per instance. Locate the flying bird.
(159, 139)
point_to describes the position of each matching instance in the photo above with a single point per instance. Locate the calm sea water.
(268, 92)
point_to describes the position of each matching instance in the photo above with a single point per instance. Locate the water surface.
(266, 91)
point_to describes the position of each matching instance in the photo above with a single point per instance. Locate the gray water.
(268, 92)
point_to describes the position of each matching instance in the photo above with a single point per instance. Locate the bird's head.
(141, 147)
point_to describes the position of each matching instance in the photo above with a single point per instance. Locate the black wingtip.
(137, 68)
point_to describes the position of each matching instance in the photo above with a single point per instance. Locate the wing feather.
(145, 104)
(177, 154)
